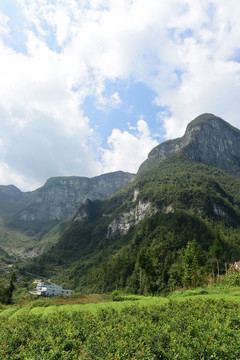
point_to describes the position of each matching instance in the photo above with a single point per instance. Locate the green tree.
(216, 251)
(146, 270)
(192, 257)
(7, 288)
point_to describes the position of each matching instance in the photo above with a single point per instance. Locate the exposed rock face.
(122, 223)
(208, 139)
(141, 209)
(61, 197)
(219, 211)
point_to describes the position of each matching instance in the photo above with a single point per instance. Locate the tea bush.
(192, 329)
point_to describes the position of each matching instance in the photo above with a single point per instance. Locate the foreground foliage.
(193, 235)
(192, 329)
(6, 288)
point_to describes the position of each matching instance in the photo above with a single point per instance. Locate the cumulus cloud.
(9, 176)
(171, 46)
(128, 149)
(187, 52)
(208, 66)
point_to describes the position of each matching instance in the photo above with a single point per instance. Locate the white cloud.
(127, 150)
(210, 76)
(36, 102)
(4, 28)
(115, 99)
(9, 176)
(186, 51)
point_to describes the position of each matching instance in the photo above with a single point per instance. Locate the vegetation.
(189, 241)
(188, 325)
(6, 288)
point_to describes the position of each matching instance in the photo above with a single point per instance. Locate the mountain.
(176, 224)
(208, 139)
(11, 199)
(26, 218)
(61, 197)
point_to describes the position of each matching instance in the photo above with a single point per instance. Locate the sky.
(91, 86)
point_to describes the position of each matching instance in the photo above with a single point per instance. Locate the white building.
(51, 290)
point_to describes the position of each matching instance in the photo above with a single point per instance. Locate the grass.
(89, 303)
(191, 329)
(95, 302)
(188, 324)
(212, 292)
(68, 300)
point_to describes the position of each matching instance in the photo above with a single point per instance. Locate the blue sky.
(137, 102)
(91, 86)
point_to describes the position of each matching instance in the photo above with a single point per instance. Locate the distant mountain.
(11, 199)
(176, 224)
(35, 213)
(61, 197)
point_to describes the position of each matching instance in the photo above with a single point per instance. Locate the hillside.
(176, 225)
(30, 220)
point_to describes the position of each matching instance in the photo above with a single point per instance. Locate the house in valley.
(51, 290)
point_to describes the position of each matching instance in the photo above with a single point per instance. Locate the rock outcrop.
(61, 197)
(208, 139)
(122, 223)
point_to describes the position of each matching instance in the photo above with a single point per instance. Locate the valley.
(175, 225)
(150, 257)
(30, 221)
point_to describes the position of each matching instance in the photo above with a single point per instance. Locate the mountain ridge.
(60, 197)
(29, 221)
(140, 238)
(207, 139)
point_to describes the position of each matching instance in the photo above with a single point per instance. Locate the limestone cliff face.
(208, 139)
(61, 197)
(122, 223)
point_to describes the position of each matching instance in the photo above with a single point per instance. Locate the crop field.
(45, 307)
(192, 324)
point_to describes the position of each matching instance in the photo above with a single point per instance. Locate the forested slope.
(188, 232)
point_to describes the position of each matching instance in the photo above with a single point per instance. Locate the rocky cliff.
(208, 139)
(61, 197)
(179, 199)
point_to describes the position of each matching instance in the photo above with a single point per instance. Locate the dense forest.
(189, 245)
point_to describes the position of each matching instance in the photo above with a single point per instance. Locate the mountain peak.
(208, 139)
(208, 119)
